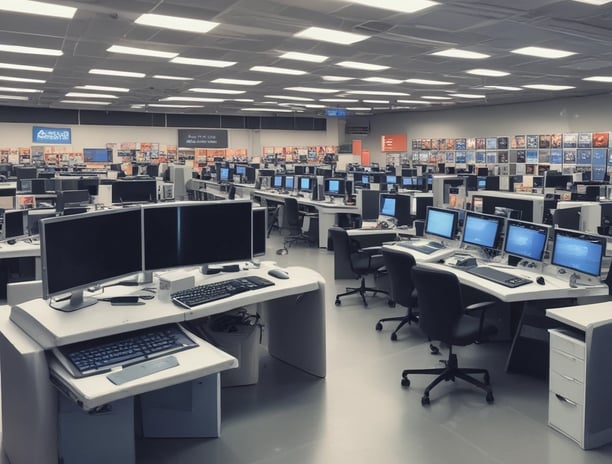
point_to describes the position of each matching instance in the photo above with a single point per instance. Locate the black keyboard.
(499, 277)
(102, 354)
(218, 290)
(424, 247)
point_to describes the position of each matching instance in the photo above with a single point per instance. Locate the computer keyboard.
(421, 246)
(102, 354)
(218, 290)
(499, 277)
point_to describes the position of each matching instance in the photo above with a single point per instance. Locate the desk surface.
(20, 249)
(584, 316)
(321, 205)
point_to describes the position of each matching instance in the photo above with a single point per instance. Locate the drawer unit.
(566, 416)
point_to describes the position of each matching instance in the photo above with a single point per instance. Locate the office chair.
(398, 265)
(273, 218)
(294, 218)
(362, 261)
(442, 316)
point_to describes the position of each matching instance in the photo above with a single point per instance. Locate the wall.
(585, 114)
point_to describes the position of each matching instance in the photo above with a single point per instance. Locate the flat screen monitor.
(35, 216)
(241, 170)
(299, 169)
(134, 191)
(482, 230)
(324, 172)
(483, 172)
(409, 182)
(387, 205)
(66, 184)
(25, 172)
(557, 181)
(409, 172)
(90, 184)
(365, 179)
(225, 174)
(267, 172)
(97, 155)
(79, 251)
(525, 239)
(335, 187)
(15, 223)
(277, 181)
(188, 234)
(482, 182)
(441, 222)
(289, 183)
(577, 251)
(567, 218)
(391, 179)
(259, 231)
(71, 198)
(305, 184)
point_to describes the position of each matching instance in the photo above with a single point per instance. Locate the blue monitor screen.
(334, 186)
(387, 206)
(241, 170)
(482, 230)
(224, 174)
(391, 179)
(408, 181)
(440, 222)
(365, 179)
(277, 182)
(97, 155)
(289, 182)
(526, 240)
(305, 184)
(582, 253)
(482, 182)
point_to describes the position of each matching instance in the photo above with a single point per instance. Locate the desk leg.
(296, 330)
(326, 220)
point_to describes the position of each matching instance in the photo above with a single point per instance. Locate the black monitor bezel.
(498, 233)
(527, 225)
(455, 215)
(579, 235)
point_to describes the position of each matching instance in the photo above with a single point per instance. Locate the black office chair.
(294, 219)
(443, 317)
(398, 265)
(362, 261)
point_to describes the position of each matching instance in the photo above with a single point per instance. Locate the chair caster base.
(425, 400)
(393, 337)
(379, 326)
(338, 302)
(405, 382)
(490, 398)
(433, 349)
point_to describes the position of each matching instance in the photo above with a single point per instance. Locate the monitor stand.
(76, 301)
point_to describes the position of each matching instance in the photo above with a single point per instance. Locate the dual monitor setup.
(89, 249)
(571, 249)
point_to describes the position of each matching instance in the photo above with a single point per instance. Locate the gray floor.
(361, 414)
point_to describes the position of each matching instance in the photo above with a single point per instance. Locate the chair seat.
(364, 264)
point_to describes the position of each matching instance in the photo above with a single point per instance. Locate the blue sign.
(335, 113)
(53, 135)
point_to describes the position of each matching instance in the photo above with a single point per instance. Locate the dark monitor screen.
(289, 183)
(134, 191)
(370, 206)
(267, 172)
(387, 205)
(15, 223)
(90, 184)
(66, 184)
(325, 172)
(299, 169)
(441, 222)
(187, 234)
(482, 230)
(79, 251)
(23, 172)
(577, 251)
(277, 181)
(409, 172)
(525, 239)
(34, 218)
(567, 218)
(556, 181)
(305, 184)
(68, 198)
(97, 155)
(482, 172)
(335, 187)
(259, 231)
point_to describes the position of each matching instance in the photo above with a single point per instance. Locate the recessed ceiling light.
(338, 100)
(112, 72)
(310, 105)
(277, 70)
(243, 100)
(427, 82)
(267, 110)
(203, 62)
(594, 2)
(289, 97)
(103, 88)
(458, 53)
(377, 92)
(304, 57)
(38, 8)
(359, 108)
(90, 95)
(467, 95)
(312, 89)
(138, 105)
(235, 82)
(435, 97)
(85, 102)
(176, 22)
(194, 99)
(331, 35)
(140, 51)
(394, 5)
(22, 79)
(362, 66)
(221, 91)
(414, 102)
(25, 67)
(161, 105)
(376, 101)
(382, 80)
(542, 52)
(503, 87)
(337, 78)
(487, 72)
(598, 78)
(30, 50)
(13, 97)
(172, 78)
(548, 87)
(19, 90)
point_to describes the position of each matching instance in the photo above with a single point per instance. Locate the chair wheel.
(379, 326)
(434, 349)
(486, 379)
(490, 398)
(393, 337)
(338, 302)
(391, 303)
(425, 400)
(405, 382)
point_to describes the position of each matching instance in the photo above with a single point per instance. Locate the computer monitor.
(441, 223)
(71, 198)
(90, 184)
(409, 172)
(224, 174)
(79, 251)
(335, 187)
(7, 197)
(538, 182)
(366, 179)
(260, 231)
(482, 230)
(197, 233)
(289, 183)
(266, 172)
(97, 155)
(409, 182)
(305, 184)
(482, 182)
(578, 252)
(482, 172)
(35, 216)
(66, 184)
(387, 205)
(557, 181)
(324, 172)
(25, 172)
(277, 181)
(391, 179)
(567, 218)
(300, 169)
(134, 191)
(15, 223)
(240, 170)
(525, 239)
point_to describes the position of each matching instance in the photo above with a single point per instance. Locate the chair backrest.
(608, 279)
(341, 241)
(440, 302)
(399, 265)
(291, 212)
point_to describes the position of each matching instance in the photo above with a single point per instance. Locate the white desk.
(293, 311)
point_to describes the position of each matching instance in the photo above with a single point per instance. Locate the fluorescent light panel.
(427, 82)
(235, 82)
(304, 57)
(400, 6)
(463, 54)
(277, 70)
(30, 50)
(467, 95)
(362, 66)
(172, 78)
(377, 92)
(161, 105)
(38, 8)
(359, 108)
(85, 102)
(337, 78)
(598, 78)
(203, 62)
(594, 2)
(19, 90)
(503, 87)
(112, 72)
(220, 91)
(376, 101)
(312, 89)
(267, 110)
(22, 79)
(194, 99)
(382, 80)
(102, 88)
(177, 23)
(321, 34)
(338, 100)
(140, 52)
(414, 102)
(90, 95)
(487, 72)
(13, 97)
(550, 87)
(542, 52)
(25, 67)
(435, 97)
(289, 97)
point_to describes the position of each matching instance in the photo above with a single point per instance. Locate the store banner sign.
(199, 138)
(52, 135)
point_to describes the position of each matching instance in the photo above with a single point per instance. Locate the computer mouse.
(278, 273)
(540, 280)
(441, 261)
(11, 241)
